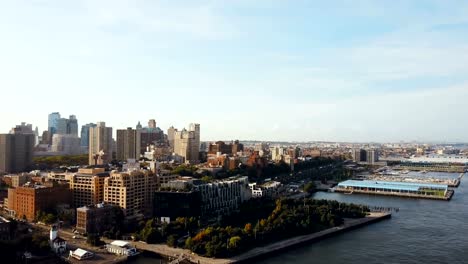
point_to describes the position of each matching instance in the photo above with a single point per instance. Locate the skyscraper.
(16, 151)
(72, 126)
(100, 144)
(52, 124)
(170, 136)
(128, 144)
(67, 126)
(85, 134)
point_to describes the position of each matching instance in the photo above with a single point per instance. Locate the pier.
(393, 188)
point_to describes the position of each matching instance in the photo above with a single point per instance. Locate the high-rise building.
(66, 144)
(67, 126)
(151, 135)
(100, 144)
(152, 123)
(132, 191)
(139, 126)
(128, 144)
(52, 124)
(359, 155)
(85, 134)
(277, 153)
(72, 126)
(195, 128)
(16, 152)
(170, 136)
(185, 146)
(87, 186)
(372, 156)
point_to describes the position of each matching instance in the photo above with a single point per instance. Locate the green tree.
(309, 187)
(234, 242)
(171, 241)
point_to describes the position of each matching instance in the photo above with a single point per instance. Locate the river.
(422, 231)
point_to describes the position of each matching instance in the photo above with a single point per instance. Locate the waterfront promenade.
(265, 250)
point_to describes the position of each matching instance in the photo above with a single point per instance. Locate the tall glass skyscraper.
(53, 122)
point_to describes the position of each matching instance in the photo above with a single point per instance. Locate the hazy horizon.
(347, 71)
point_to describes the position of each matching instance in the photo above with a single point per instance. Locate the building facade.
(66, 144)
(85, 134)
(223, 197)
(87, 186)
(26, 201)
(16, 152)
(95, 219)
(132, 191)
(100, 144)
(187, 143)
(128, 144)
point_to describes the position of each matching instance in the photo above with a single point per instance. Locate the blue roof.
(409, 186)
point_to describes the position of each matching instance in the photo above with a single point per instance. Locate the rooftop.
(409, 186)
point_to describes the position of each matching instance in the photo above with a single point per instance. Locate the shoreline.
(270, 249)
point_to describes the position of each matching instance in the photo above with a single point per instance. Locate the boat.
(405, 171)
(424, 172)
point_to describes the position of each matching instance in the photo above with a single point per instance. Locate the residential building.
(18, 180)
(57, 244)
(128, 144)
(224, 196)
(132, 191)
(95, 219)
(276, 153)
(27, 200)
(85, 134)
(16, 152)
(271, 189)
(187, 143)
(171, 136)
(100, 144)
(87, 186)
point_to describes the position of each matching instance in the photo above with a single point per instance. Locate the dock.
(395, 188)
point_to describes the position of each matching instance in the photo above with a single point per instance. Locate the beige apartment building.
(100, 144)
(132, 191)
(87, 186)
(187, 143)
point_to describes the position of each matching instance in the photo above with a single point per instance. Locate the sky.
(291, 70)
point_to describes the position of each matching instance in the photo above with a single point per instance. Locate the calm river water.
(423, 231)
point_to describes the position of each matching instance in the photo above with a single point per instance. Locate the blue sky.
(266, 70)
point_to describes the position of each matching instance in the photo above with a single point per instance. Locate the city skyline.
(264, 70)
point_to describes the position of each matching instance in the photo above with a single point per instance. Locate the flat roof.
(409, 186)
(120, 243)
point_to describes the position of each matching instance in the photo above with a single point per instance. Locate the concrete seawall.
(283, 245)
(266, 250)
